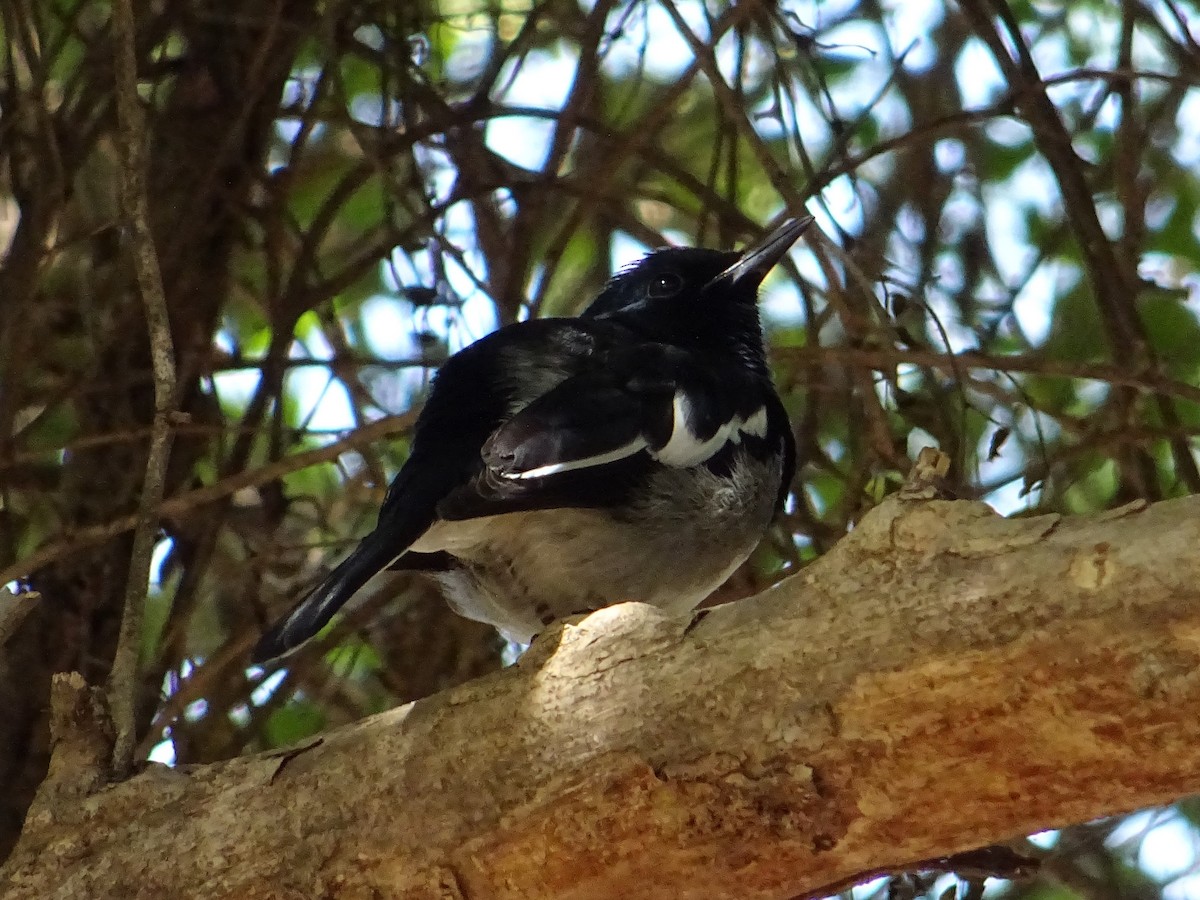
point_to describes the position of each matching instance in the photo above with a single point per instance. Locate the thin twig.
(1113, 276)
(123, 679)
(13, 610)
(190, 500)
(887, 358)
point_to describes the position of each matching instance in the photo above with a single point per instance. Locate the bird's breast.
(678, 539)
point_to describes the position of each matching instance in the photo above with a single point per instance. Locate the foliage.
(342, 193)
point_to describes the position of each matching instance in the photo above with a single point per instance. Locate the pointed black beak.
(760, 257)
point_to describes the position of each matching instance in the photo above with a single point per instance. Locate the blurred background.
(343, 193)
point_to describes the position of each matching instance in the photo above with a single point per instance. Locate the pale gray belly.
(520, 571)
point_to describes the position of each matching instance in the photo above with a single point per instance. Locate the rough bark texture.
(943, 679)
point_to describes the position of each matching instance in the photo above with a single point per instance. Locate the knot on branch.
(81, 736)
(927, 478)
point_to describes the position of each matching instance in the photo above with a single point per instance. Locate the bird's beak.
(760, 257)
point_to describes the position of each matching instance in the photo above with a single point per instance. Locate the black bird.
(637, 452)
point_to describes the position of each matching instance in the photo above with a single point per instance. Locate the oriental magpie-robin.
(637, 452)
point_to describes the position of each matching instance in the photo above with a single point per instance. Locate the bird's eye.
(664, 286)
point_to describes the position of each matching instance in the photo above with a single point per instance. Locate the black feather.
(313, 613)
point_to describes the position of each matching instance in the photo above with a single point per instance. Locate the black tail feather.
(373, 554)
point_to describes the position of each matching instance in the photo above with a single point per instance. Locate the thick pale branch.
(941, 680)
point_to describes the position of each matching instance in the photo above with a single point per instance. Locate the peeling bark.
(943, 679)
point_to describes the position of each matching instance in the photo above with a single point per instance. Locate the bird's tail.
(373, 554)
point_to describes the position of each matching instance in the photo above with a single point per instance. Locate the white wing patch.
(571, 465)
(756, 425)
(684, 448)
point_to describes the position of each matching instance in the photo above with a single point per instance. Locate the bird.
(636, 452)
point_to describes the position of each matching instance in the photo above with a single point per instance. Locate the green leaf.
(294, 721)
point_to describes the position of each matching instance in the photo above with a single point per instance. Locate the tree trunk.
(228, 86)
(941, 680)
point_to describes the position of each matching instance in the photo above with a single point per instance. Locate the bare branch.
(941, 680)
(191, 500)
(123, 678)
(13, 610)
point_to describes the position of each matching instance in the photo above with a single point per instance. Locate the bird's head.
(689, 293)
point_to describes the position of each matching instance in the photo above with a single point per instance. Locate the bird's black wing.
(591, 439)
(475, 392)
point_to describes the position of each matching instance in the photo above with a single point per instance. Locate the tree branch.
(943, 679)
(185, 502)
(13, 610)
(123, 678)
